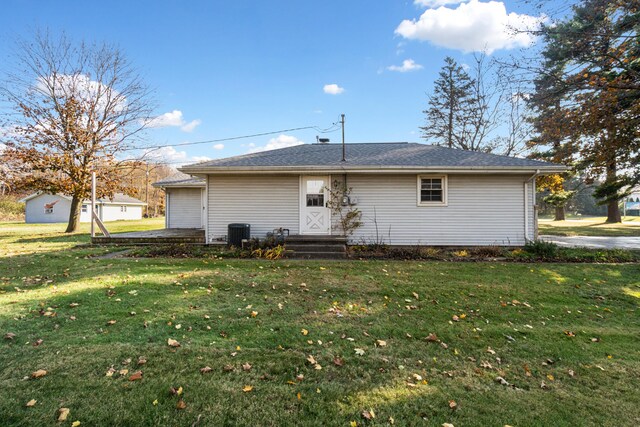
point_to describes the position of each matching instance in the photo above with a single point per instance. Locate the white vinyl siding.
(265, 202)
(35, 210)
(184, 208)
(115, 212)
(481, 210)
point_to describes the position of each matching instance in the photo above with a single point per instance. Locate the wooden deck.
(150, 237)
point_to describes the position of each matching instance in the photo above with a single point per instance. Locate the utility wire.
(233, 138)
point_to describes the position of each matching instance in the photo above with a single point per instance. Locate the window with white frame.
(123, 208)
(85, 209)
(432, 190)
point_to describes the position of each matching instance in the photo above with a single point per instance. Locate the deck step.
(316, 247)
(302, 238)
(317, 255)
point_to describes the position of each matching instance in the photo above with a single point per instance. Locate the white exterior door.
(315, 216)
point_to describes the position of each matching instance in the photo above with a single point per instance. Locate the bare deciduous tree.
(75, 108)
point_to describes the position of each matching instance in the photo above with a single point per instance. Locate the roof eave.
(542, 169)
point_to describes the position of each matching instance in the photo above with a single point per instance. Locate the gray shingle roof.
(388, 155)
(120, 198)
(180, 180)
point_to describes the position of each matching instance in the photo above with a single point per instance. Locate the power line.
(233, 138)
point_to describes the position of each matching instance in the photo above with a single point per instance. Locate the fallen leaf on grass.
(247, 388)
(570, 334)
(155, 402)
(432, 337)
(31, 403)
(312, 360)
(9, 336)
(453, 404)
(136, 376)
(142, 360)
(181, 404)
(205, 370)
(39, 373)
(246, 367)
(75, 423)
(254, 314)
(173, 343)
(359, 351)
(38, 342)
(111, 322)
(381, 343)
(368, 415)
(73, 304)
(338, 361)
(63, 413)
(228, 368)
(304, 331)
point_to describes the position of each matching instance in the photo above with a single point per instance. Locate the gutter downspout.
(526, 207)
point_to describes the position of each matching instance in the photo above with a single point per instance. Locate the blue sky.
(228, 68)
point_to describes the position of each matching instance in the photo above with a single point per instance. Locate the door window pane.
(315, 186)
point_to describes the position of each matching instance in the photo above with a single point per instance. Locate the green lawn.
(563, 337)
(590, 226)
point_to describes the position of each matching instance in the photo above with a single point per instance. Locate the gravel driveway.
(595, 242)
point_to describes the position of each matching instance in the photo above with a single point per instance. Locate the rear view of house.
(52, 208)
(409, 194)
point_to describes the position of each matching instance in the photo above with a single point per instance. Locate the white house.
(408, 193)
(49, 208)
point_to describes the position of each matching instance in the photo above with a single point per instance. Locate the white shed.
(185, 201)
(51, 208)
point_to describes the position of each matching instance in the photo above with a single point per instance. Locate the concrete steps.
(316, 247)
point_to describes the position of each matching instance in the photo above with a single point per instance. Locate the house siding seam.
(184, 207)
(482, 210)
(265, 202)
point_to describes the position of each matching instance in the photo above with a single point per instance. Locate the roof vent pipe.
(344, 153)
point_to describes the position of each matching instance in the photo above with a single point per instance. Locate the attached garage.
(184, 201)
(184, 207)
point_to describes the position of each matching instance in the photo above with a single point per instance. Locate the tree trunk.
(74, 215)
(560, 214)
(613, 210)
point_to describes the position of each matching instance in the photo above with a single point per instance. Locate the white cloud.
(282, 141)
(198, 159)
(218, 147)
(473, 26)
(333, 89)
(434, 4)
(172, 156)
(173, 119)
(407, 65)
(189, 127)
(166, 154)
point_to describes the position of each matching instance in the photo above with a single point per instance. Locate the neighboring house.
(47, 208)
(632, 204)
(185, 201)
(409, 194)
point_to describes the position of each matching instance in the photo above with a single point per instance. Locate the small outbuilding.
(51, 208)
(185, 200)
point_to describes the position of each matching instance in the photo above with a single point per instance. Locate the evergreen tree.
(449, 106)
